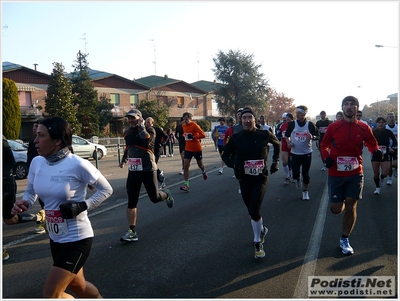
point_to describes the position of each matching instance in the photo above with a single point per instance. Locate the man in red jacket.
(341, 150)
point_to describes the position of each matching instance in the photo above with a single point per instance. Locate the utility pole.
(35, 66)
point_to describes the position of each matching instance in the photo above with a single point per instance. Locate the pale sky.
(315, 52)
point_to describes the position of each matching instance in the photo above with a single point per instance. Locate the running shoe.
(40, 229)
(323, 168)
(258, 250)
(5, 254)
(181, 172)
(204, 175)
(264, 232)
(240, 191)
(129, 236)
(221, 171)
(185, 188)
(389, 181)
(377, 190)
(306, 197)
(345, 246)
(299, 184)
(286, 181)
(169, 199)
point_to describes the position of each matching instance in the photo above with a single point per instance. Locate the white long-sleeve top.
(62, 182)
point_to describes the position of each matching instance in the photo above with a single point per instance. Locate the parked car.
(20, 152)
(86, 149)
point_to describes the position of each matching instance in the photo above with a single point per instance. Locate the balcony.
(30, 112)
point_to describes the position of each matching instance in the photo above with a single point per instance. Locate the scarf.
(62, 153)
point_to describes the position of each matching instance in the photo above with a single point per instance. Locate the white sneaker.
(323, 168)
(172, 155)
(181, 172)
(389, 181)
(345, 246)
(377, 190)
(299, 184)
(306, 197)
(221, 171)
(239, 191)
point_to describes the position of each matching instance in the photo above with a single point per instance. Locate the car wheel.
(99, 154)
(21, 170)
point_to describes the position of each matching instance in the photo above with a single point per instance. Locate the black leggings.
(134, 182)
(305, 162)
(253, 192)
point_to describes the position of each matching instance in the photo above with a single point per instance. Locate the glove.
(71, 210)
(189, 136)
(329, 162)
(274, 167)
(377, 155)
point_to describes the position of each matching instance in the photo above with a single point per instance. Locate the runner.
(299, 136)
(192, 133)
(221, 130)
(322, 125)
(392, 125)
(285, 150)
(60, 179)
(341, 151)
(139, 154)
(247, 153)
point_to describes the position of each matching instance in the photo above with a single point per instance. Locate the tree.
(204, 124)
(278, 105)
(11, 110)
(240, 83)
(85, 97)
(59, 98)
(158, 111)
(104, 108)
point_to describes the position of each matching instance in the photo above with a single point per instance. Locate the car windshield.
(16, 146)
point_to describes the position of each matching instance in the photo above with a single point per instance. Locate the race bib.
(301, 136)
(347, 163)
(135, 164)
(221, 136)
(382, 148)
(253, 167)
(323, 129)
(56, 224)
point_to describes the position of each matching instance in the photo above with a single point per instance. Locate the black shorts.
(220, 148)
(71, 256)
(9, 195)
(341, 187)
(190, 155)
(181, 146)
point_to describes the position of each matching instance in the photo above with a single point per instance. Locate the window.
(115, 99)
(133, 100)
(180, 102)
(25, 99)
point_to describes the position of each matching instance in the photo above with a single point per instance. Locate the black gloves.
(71, 210)
(377, 155)
(274, 167)
(189, 136)
(329, 162)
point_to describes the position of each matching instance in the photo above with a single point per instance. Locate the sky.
(316, 52)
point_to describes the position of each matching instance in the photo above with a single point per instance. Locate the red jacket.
(345, 140)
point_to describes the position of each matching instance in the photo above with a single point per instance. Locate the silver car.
(86, 149)
(20, 152)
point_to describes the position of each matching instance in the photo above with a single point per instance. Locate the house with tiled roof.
(179, 96)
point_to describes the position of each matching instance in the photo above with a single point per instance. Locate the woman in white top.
(60, 179)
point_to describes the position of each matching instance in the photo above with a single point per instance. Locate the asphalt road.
(202, 247)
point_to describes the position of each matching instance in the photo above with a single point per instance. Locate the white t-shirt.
(59, 183)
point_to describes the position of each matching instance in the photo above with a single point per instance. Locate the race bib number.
(56, 224)
(323, 129)
(221, 136)
(135, 164)
(382, 148)
(301, 136)
(347, 163)
(253, 167)
(187, 137)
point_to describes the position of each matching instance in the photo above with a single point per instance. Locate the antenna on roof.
(84, 38)
(155, 64)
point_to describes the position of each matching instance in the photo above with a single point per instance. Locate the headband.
(301, 111)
